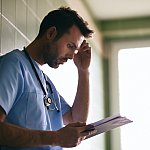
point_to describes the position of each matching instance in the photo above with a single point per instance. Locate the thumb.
(77, 124)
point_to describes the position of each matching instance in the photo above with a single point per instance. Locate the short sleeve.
(11, 81)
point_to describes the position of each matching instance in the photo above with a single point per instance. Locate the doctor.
(32, 112)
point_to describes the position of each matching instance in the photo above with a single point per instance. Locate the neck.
(35, 51)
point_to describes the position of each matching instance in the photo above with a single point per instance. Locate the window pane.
(134, 90)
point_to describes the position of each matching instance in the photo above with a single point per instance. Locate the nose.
(70, 56)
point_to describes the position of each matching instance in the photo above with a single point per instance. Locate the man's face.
(58, 52)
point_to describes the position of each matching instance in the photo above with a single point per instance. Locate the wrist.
(49, 138)
(84, 72)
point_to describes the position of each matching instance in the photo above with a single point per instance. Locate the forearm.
(80, 106)
(69, 136)
(14, 136)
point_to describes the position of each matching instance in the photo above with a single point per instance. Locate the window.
(134, 98)
(130, 84)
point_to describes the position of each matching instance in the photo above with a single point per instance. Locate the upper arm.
(2, 114)
(11, 79)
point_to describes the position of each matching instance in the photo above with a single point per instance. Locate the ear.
(51, 33)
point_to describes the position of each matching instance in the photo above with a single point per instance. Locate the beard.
(51, 56)
(51, 60)
(55, 62)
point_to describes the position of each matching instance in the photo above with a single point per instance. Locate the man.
(32, 112)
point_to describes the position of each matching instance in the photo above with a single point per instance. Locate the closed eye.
(71, 46)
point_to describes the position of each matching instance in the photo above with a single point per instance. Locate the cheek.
(52, 50)
(49, 53)
(61, 47)
(61, 50)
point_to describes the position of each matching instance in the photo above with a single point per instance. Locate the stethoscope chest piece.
(47, 101)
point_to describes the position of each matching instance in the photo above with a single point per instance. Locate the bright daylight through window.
(134, 96)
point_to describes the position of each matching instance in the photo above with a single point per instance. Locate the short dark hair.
(64, 18)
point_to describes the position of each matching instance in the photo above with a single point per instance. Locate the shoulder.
(12, 60)
(14, 55)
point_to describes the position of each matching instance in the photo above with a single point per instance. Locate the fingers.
(73, 134)
(88, 133)
(80, 128)
(89, 128)
(84, 47)
(77, 124)
(83, 129)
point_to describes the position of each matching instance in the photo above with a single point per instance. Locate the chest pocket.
(36, 113)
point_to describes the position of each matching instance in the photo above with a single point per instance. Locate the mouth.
(59, 62)
(62, 61)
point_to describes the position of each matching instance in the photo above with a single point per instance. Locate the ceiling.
(118, 9)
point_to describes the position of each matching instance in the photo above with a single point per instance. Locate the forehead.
(74, 36)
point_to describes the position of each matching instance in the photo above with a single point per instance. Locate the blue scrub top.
(22, 97)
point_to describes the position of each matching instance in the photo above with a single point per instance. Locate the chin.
(55, 66)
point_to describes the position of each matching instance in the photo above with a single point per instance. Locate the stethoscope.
(48, 101)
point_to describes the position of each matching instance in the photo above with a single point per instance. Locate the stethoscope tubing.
(40, 82)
